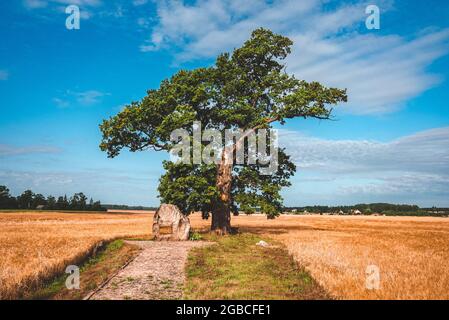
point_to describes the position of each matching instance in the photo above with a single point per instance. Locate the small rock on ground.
(262, 243)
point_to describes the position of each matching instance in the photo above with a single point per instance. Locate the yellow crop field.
(36, 246)
(411, 253)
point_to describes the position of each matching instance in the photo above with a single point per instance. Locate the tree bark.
(221, 215)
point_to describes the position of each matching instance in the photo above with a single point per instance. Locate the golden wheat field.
(411, 253)
(36, 246)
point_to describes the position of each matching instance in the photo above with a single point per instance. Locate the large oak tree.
(248, 89)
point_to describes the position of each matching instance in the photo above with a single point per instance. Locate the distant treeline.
(29, 200)
(371, 208)
(126, 207)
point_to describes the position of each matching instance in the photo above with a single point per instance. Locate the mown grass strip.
(235, 268)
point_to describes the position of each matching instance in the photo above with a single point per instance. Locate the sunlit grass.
(235, 268)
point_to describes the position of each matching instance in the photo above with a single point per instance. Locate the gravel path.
(156, 273)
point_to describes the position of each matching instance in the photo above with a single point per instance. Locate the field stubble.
(412, 253)
(34, 247)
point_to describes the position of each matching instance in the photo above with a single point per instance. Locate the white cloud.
(411, 167)
(89, 97)
(143, 22)
(4, 75)
(426, 152)
(86, 6)
(85, 98)
(61, 103)
(90, 182)
(8, 150)
(36, 4)
(26, 180)
(408, 183)
(381, 72)
(139, 2)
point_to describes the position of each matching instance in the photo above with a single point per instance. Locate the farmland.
(37, 246)
(410, 252)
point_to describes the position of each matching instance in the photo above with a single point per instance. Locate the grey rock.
(170, 224)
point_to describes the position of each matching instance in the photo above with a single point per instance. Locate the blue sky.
(389, 143)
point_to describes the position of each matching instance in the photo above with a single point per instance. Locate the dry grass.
(35, 247)
(411, 252)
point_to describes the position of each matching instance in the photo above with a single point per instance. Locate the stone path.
(156, 273)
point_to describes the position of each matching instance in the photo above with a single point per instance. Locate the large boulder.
(170, 224)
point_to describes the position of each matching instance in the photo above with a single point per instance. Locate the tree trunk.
(221, 215)
(221, 219)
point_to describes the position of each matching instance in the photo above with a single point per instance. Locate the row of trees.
(29, 200)
(363, 207)
(126, 207)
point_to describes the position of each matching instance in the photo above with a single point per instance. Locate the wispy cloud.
(36, 4)
(9, 150)
(85, 98)
(380, 78)
(61, 103)
(91, 182)
(381, 72)
(410, 168)
(426, 152)
(86, 6)
(4, 75)
(103, 14)
(89, 97)
(33, 179)
(139, 2)
(406, 184)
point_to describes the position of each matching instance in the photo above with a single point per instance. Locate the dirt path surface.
(156, 273)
